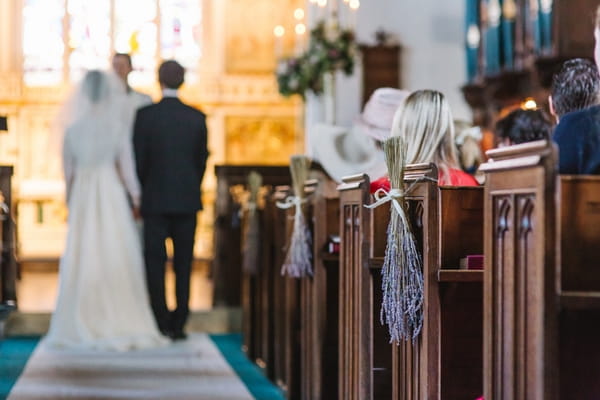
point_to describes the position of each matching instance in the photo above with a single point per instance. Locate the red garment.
(456, 177)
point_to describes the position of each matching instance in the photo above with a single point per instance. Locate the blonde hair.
(425, 122)
(598, 17)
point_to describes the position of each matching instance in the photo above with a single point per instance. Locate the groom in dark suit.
(170, 141)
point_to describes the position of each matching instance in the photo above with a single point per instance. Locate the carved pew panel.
(519, 274)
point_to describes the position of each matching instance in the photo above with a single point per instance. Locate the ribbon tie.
(251, 206)
(291, 201)
(382, 196)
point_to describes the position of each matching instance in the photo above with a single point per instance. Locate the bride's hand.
(137, 215)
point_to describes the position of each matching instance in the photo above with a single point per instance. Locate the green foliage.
(329, 50)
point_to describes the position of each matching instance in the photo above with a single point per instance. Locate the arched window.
(63, 38)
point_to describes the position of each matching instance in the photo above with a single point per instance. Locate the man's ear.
(551, 105)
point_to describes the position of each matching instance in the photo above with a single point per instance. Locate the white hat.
(342, 151)
(378, 113)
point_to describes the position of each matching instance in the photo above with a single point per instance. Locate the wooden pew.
(579, 287)
(265, 303)
(263, 309)
(446, 360)
(226, 264)
(8, 262)
(257, 289)
(542, 283)
(319, 294)
(281, 313)
(286, 298)
(229, 229)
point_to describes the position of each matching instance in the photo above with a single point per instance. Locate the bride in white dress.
(102, 302)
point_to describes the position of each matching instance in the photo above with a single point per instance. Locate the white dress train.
(102, 302)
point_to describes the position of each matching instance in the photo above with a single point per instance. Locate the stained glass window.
(136, 33)
(89, 42)
(150, 30)
(43, 46)
(180, 33)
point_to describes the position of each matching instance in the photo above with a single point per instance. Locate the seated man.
(521, 126)
(575, 87)
(578, 133)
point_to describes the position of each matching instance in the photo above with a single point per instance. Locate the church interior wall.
(236, 89)
(430, 33)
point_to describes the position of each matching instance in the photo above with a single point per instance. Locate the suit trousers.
(181, 228)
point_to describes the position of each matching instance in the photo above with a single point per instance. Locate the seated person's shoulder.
(578, 123)
(580, 115)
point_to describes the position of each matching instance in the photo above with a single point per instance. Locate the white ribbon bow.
(383, 196)
(291, 201)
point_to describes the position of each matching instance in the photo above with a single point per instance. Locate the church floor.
(38, 284)
(37, 291)
(16, 351)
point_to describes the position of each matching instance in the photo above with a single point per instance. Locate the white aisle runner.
(190, 369)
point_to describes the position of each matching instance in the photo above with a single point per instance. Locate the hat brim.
(373, 131)
(323, 145)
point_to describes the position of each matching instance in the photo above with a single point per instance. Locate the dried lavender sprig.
(402, 274)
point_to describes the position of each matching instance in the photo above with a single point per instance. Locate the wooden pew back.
(580, 232)
(579, 286)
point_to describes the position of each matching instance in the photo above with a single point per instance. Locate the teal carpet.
(15, 351)
(260, 387)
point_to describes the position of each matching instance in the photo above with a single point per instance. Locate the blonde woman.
(425, 122)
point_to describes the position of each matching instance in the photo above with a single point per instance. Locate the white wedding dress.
(102, 302)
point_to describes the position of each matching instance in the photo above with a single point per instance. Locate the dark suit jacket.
(578, 138)
(170, 142)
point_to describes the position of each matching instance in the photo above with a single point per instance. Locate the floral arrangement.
(329, 49)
